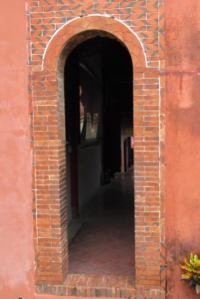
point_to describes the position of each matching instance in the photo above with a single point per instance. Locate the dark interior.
(112, 73)
(99, 128)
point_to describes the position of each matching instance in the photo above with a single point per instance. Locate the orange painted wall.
(182, 138)
(182, 148)
(16, 245)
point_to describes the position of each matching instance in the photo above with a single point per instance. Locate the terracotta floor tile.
(105, 242)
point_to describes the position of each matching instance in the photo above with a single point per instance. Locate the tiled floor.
(105, 243)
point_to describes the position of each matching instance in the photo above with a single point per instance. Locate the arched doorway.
(49, 160)
(99, 107)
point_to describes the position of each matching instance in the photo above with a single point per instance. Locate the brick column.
(50, 178)
(147, 201)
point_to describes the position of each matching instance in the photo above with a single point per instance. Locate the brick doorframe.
(49, 161)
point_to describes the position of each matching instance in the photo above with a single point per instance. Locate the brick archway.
(49, 171)
(108, 25)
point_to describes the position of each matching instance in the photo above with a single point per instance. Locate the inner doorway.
(99, 115)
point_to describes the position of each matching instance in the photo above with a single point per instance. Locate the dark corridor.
(105, 243)
(99, 118)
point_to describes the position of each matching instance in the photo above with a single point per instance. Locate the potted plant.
(192, 271)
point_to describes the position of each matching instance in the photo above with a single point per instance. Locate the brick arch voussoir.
(96, 23)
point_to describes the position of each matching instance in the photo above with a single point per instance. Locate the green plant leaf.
(197, 264)
(186, 275)
(186, 267)
(186, 261)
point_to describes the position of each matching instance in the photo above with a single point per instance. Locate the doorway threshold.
(88, 285)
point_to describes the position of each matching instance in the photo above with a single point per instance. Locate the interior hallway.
(105, 243)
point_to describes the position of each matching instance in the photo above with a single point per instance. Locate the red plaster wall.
(182, 147)
(16, 236)
(182, 138)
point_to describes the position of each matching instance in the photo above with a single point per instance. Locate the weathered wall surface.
(182, 148)
(182, 138)
(16, 235)
(17, 266)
